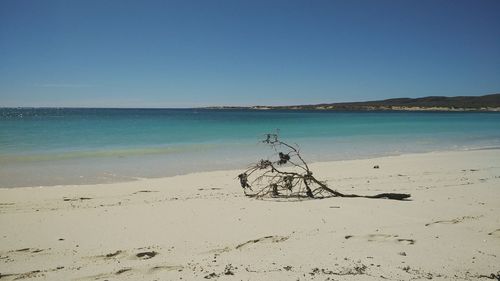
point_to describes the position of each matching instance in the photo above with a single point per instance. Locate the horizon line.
(232, 106)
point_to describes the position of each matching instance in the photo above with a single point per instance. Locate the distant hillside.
(437, 103)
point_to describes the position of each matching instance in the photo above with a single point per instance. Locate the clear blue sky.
(196, 53)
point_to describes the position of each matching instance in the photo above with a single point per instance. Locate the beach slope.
(200, 226)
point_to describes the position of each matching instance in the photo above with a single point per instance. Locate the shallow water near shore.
(52, 146)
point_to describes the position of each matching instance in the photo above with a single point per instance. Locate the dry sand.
(201, 226)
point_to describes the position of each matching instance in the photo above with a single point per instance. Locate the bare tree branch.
(288, 178)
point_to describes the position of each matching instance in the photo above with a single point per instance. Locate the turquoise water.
(65, 146)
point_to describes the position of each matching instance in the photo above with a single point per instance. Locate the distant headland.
(431, 103)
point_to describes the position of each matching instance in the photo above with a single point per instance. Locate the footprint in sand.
(120, 254)
(22, 252)
(146, 255)
(219, 250)
(383, 238)
(112, 254)
(29, 274)
(166, 268)
(265, 239)
(144, 191)
(123, 270)
(454, 221)
(77, 199)
(105, 276)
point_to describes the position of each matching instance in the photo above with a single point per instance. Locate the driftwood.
(289, 176)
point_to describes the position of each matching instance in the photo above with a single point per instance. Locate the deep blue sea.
(53, 146)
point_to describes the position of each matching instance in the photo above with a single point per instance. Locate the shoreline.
(135, 179)
(201, 226)
(356, 109)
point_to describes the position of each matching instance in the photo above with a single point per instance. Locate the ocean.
(53, 146)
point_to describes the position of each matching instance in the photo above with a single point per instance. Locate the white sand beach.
(201, 226)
